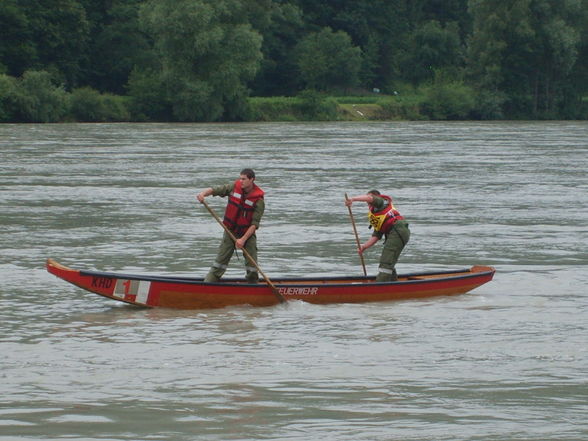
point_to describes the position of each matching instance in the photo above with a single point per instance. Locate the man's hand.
(240, 243)
(206, 192)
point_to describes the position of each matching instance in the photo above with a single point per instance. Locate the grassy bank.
(313, 107)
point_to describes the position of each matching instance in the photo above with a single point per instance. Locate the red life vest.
(239, 212)
(384, 219)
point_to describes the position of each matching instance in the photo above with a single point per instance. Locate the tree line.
(203, 60)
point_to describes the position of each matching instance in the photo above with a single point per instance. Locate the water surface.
(505, 362)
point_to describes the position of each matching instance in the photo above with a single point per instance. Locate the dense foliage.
(202, 60)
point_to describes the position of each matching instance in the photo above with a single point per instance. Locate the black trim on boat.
(291, 281)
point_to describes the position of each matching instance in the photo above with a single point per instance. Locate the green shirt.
(225, 190)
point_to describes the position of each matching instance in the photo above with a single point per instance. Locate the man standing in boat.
(386, 221)
(242, 217)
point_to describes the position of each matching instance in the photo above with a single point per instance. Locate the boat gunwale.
(338, 281)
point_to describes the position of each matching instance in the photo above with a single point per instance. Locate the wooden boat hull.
(194, 293)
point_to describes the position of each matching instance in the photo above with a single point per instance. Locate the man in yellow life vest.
(386, 221)
(243, 214)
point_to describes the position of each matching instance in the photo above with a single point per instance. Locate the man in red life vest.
(386, 221)
(242, 217)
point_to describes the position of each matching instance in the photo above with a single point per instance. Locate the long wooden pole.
(279, 296)
(356, 237)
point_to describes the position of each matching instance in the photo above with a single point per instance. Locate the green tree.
(150, 98)
(523, 51)
(369, 66)
(89, 105)
(328, 60)
(578, 85)
(501, 52)
(59, 31)
(39, 99)
(393, 21)
(448, 97)
(385, 30)
(17, 48)
(448, 11)
(315, 107)
(207, 53)
(556, 52)
(8, 98)
(379, 28)
(117, 44)
(280, 36)
(433, 46)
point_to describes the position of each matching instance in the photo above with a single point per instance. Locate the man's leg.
(397, 239)
(223, 257)
(251, 271)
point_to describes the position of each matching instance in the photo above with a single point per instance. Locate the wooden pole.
(356, 237)
(279, 296)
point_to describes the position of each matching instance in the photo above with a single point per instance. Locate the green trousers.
(395, 242)
(223, 257)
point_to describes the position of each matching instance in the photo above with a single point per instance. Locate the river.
(508, 361)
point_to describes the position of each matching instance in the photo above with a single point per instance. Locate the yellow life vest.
(384, 219)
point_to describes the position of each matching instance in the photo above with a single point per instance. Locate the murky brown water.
(506, 362)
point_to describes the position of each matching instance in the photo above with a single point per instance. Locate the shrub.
(278, 108)
(328, 60)
(148, 99)
(39, 99)
(88, 105)
(308, 106)
(404, 108)
(448, 101)
(489, 105)
(8, 98)
(315, 107)
(116, 107)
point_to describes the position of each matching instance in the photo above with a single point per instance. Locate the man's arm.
(258, 213)
(240, 243)
(255, 221)
(221, 190)
(369, 243)
(361, 198)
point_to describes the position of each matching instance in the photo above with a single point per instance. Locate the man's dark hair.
(248, 172)
(374, 192)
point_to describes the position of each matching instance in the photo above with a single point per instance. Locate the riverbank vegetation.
(268, 60)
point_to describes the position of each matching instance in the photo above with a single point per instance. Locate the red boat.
(194, 293)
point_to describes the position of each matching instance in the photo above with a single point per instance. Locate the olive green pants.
(395, 241)
(223, 257)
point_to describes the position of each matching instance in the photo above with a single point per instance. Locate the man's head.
(248, 172)
(247, 176)
(372, 193)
